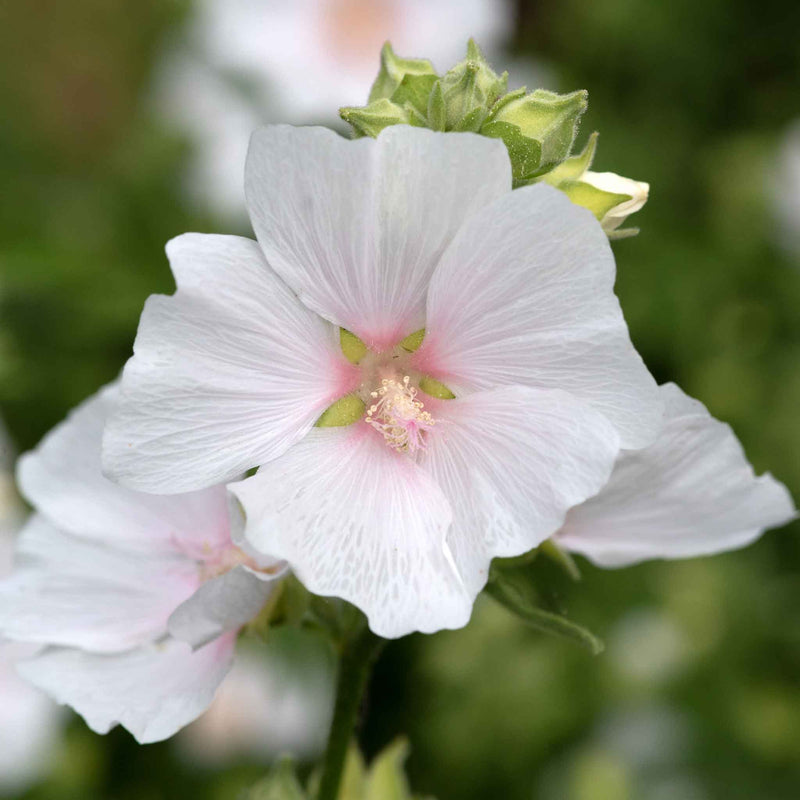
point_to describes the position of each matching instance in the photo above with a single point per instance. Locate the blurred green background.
(697, 696)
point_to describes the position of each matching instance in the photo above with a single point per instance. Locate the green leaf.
(514, 588)
(352, 347)
(414, 90)
(345, 411)
(393, 70)
(280, 784)
(596, 200)
(373, 118)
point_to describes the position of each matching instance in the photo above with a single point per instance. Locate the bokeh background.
(125, 124)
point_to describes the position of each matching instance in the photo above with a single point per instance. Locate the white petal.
(30, 726)
(224, 603)
(226, 374)
(617, 184)
(690, 493)
(76, 593)
(524, 295)
(512, 462)
(357, 227)
(357, 520)
(153, 691)
(62, 478)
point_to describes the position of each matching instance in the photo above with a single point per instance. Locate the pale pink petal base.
(221, 604)
(356, 228)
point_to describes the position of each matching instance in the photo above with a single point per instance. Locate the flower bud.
(470, 90)
(538, 128)
(610, 197)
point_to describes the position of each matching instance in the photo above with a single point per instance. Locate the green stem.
(359, 653)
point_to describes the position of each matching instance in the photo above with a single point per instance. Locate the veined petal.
(62, 478)
(692, 492)
(511, 462)
(525, 295)
(73, 592)
(227, 373)
(153, 690)
(357, 227)
(358, 520)
(221, 604)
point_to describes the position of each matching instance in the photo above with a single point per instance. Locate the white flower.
(401, 511)
(690, 493)
(612, 183)
(248, 62)
(785, 189)
(139, 597)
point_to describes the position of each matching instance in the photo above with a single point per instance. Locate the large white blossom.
(691, 493)
(247, 62)
(138, 598)
(401, 511)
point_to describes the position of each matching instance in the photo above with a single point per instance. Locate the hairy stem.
(359, 653)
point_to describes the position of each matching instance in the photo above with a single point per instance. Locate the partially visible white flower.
(30, 724)
(247, 62)
(138, 597)
(615, 184)
(401, 507)
(264, 708)
(690, 493)
(786, 190)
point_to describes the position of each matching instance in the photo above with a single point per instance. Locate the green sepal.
(413, 341)
(573, 168)
(550, 119)
(435, 388)
(515, 588)
(473, 121)
(437, 113)
(280, 784)
(345, 411)
(622, 233)
(353, 348)
(414, 91)
(393, 70)
(470, 85)
(371, 119)
(588, 196)
(525, 154)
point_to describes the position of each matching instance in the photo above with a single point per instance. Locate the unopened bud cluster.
(538, 128)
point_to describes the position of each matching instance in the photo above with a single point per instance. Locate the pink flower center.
(399, 416)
